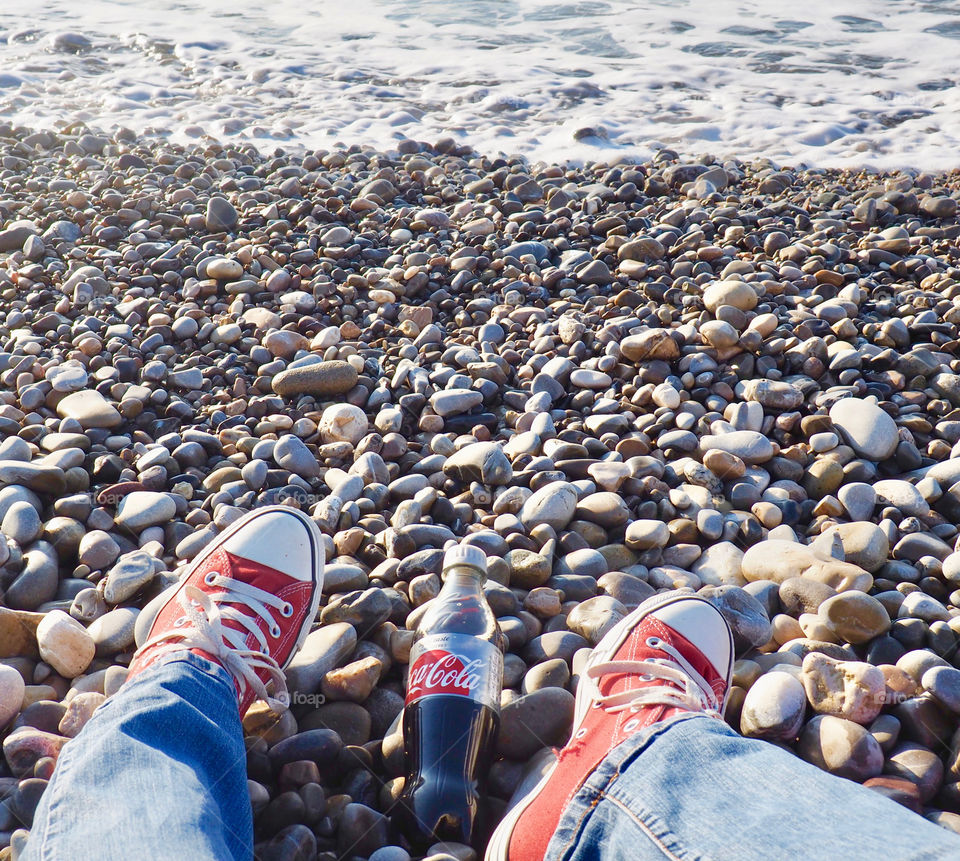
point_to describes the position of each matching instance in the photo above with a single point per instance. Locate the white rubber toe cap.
(704, 626)
(286, 540)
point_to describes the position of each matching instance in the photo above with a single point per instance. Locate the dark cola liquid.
(450, 739)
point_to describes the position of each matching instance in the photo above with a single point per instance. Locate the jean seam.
(55, 803)
(643, 827)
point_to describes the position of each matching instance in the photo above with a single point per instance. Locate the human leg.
(161, 766)
(692, 788)
(649, 768)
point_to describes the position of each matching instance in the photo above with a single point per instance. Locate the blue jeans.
(159, 772)
(691, 788)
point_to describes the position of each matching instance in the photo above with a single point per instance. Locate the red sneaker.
(247, 602)
(672, 655)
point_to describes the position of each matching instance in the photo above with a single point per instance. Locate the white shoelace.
(201, 627)
(688, 689)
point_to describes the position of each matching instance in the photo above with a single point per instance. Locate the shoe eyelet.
(654, 642)
(631, 725)
(210, 577)
(580, 733)
(286, 610)
(275, 631)
(179, 621)
(595, 705)
(266, 651)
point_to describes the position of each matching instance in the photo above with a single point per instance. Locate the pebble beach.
(616, 378)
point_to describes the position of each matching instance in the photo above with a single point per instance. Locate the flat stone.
(38, 477)
(453, 402)
(18, 633)
(527, 569)
(343, 423)
(854, 617)
(737, 294)
(744, 614)
(324, 649)
(133, 572)
(917, 764)
(647, 534)
(22, 523)
(533, 721)
(319, 379)
(901, 495)
(348, 720)
(189, 379)
(649, 345)
(720, 564)
(867, 429)
(553, 504)
(144, 508)
(361, 831)
(13, 236)
(98, 550)
(604, 508)
(778, 560)
(918, 605)
(840, 747)
(68, 377)
(750, 446)
(363, 609)
(480, 461)
(915, 545)
(593, 618)
(224, 268)
(90, 409)
(628, 590)
(23, 747)
(859, 499)
(321, 746)
(352, 682)
(772, 394)
(554, 644)
(291, 453)
(803, 595)
(114, 631)
(864, 544)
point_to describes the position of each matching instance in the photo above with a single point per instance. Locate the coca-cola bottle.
(452, 710)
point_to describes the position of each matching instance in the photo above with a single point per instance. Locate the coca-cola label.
(456, 664)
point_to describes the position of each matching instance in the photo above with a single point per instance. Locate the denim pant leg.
(158, 772)
(692, 788)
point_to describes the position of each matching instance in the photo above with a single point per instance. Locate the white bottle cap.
(465, 554)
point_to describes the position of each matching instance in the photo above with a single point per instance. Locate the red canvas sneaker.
(672, 655)
(247, 602)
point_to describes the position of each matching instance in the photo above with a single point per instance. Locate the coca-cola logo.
(441, 672)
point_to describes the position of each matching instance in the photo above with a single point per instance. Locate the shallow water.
(864, 82)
